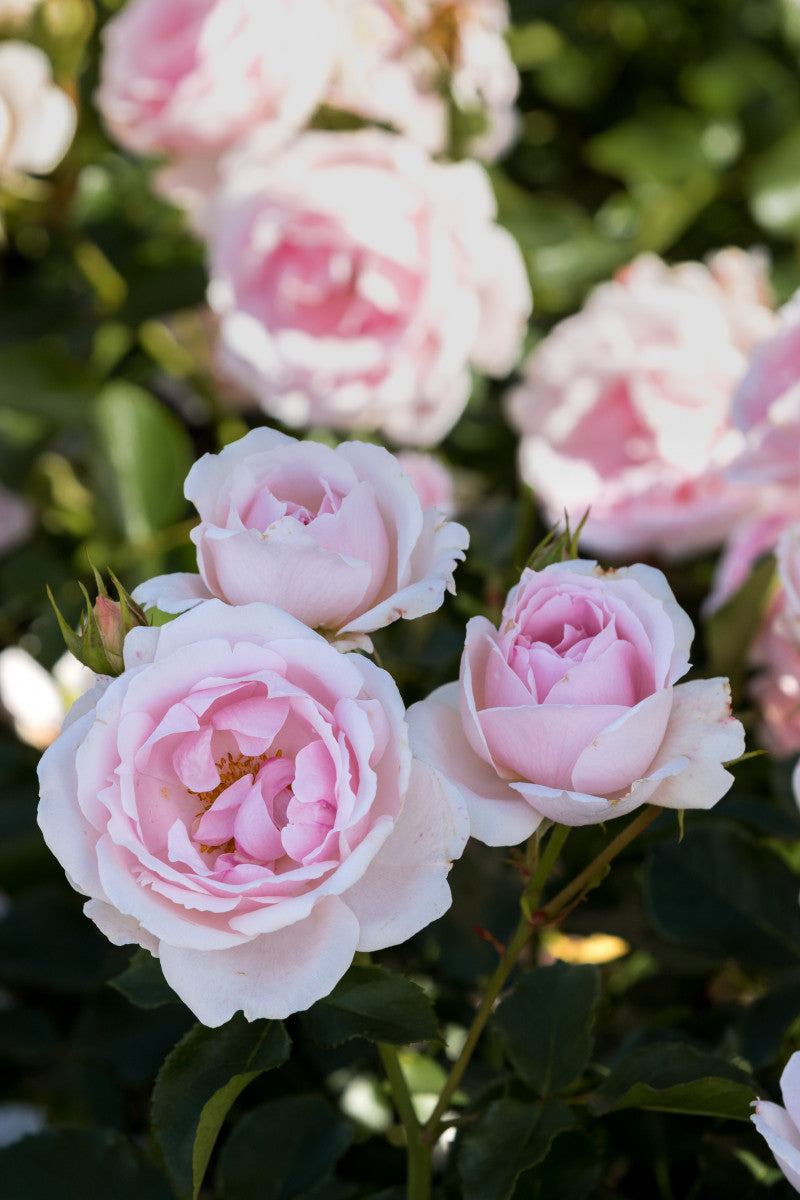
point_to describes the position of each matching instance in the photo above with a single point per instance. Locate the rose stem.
(417, 1149)
(527, 927)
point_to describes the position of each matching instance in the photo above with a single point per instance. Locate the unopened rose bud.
(104, 627)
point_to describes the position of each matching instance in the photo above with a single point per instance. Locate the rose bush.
(570, 710)
(37, 119)
(337, 537)
(625, 406)
(780, 1127)
(356, 280)
(241, 801)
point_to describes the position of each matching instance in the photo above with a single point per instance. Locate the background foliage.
(665, 125)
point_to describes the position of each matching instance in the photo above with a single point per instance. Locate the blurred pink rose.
(430, 479)
(37, 119)
(625, 407)
(392, 58)
(16, 10)
(193, 77)
(775, 654)
(781, 1126)
(16, 521)
(766, 406)
(337, 537)
(772, 510)
(241, 801)
(356, 280)
(570, 710)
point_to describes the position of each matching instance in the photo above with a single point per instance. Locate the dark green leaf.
(73, 957)
(74, 1164)
(571, 1171)
(731, 629)
(670, 1077)
(143, 982)
(545, 1025)
(145, 457)
(510, 1137)
(40, 380)
(765, 1022)
(282, 1149)
(722, 891)
(371, 1002)
(199, 1082)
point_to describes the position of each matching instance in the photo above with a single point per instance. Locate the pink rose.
(570, 710)
(337, 537)
(780, 1127)
(625, 407)
(392, 58)
(356, 280)
(775, 653)
(193, 77)
(766, 406)
(241, 801)
(37, 119)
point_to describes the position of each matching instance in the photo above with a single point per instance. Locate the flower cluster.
(248, 799)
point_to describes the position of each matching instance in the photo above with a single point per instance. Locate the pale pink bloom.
(781, 1126)
(193, 77)
(430, 479)
(773, 509)
(571, 710)
(336, 537)
(241, 801)
(766, 406)
(356, 281)
(775, 653)
(393, 55)
(16, 520)
(625, 407)
(37, 119)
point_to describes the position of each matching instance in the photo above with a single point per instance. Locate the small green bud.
(104, 626)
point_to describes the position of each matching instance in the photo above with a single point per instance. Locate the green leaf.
(675, 1078)
(143, 983)
(774, 187)
(667, 146)
(75, 1163)
(199, 1082)
(509, 1138)
(766, 1021)
(722, 891)
(299, 1140)
(40, 380)
(372, 1003)
(545, 1025)
(145, 455)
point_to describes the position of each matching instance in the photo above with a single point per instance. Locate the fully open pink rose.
(37, 119)
(356, 281)
(241, 802)
(570, 710)
(781, 1126)
(192, 77)
(393, 58)
(625, 407)
(337, 537)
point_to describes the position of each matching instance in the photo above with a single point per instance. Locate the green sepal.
(557, 547)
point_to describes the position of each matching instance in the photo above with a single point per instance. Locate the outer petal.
(579, 808)
(790, 1089)
(172, 593)
(498, 816)
(405, 887)
(273, 975)
(122, 931)
(66, 831)
(702, 729)
(782, 1137)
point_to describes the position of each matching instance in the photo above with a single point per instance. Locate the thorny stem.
(528, 926)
